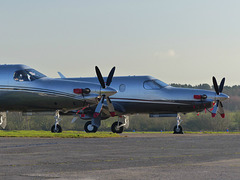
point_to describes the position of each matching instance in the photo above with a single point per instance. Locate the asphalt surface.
(137, 156)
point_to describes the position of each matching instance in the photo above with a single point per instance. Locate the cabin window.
(27, 75)
(122, 87)
(154, 84)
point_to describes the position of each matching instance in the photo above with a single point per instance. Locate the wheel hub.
(177, 129)
(90, 127)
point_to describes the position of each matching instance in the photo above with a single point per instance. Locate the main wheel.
(57, 130)
(177, 130)
(89, 128)
(116, 129)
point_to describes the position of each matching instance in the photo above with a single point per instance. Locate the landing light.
(204, 96)
(81, 91)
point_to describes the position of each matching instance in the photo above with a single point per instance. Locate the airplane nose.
(108, 91)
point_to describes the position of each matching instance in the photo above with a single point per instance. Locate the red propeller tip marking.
(95, 115)
(112, 114)
(214, 115)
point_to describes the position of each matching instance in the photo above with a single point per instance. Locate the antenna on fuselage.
(61, 75)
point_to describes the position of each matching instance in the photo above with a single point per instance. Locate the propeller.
(108, 82)
(218, 107)
(105, 93)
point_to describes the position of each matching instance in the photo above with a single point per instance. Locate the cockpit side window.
(150, 84)
(154, 84)
(21, 76)
(27, 75)
(160, 83)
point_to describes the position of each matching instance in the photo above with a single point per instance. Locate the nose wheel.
(178, 129)
(56, 128)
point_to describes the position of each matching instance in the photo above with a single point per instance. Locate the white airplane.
(25, 89)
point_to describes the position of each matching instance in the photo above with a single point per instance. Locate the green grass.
(220, 132)
(185, 132)
(81, 134)
(150, 132)
(64, 134)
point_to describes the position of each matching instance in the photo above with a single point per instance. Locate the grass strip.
(82, 134)
(64, 134)
(185, 132)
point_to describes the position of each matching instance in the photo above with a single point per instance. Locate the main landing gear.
(117, 127)
(56, 128)
(89, 128)
(178, 129)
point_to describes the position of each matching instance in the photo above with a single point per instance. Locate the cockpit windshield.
(154, 84)
(27, 75)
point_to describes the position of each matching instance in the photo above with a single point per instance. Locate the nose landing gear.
(118, 126)
(56, 128)
(178, 129)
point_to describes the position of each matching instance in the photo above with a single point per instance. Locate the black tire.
(58, 130)
(177, 130)
(89, 128)
(115, 129)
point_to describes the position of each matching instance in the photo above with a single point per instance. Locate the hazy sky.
(181, 41)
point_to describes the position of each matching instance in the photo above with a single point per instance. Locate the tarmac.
(133, 156)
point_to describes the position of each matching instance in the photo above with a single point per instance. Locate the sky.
(185, 42)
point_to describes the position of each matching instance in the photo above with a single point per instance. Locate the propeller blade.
(110, 76)
(215, 108)
(74, 119)
(221, 110)
(111, 107)
(99, 107)
(100, 78)
(221, 85)
(215, 85)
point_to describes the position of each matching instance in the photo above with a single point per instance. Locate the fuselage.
(145, 94)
